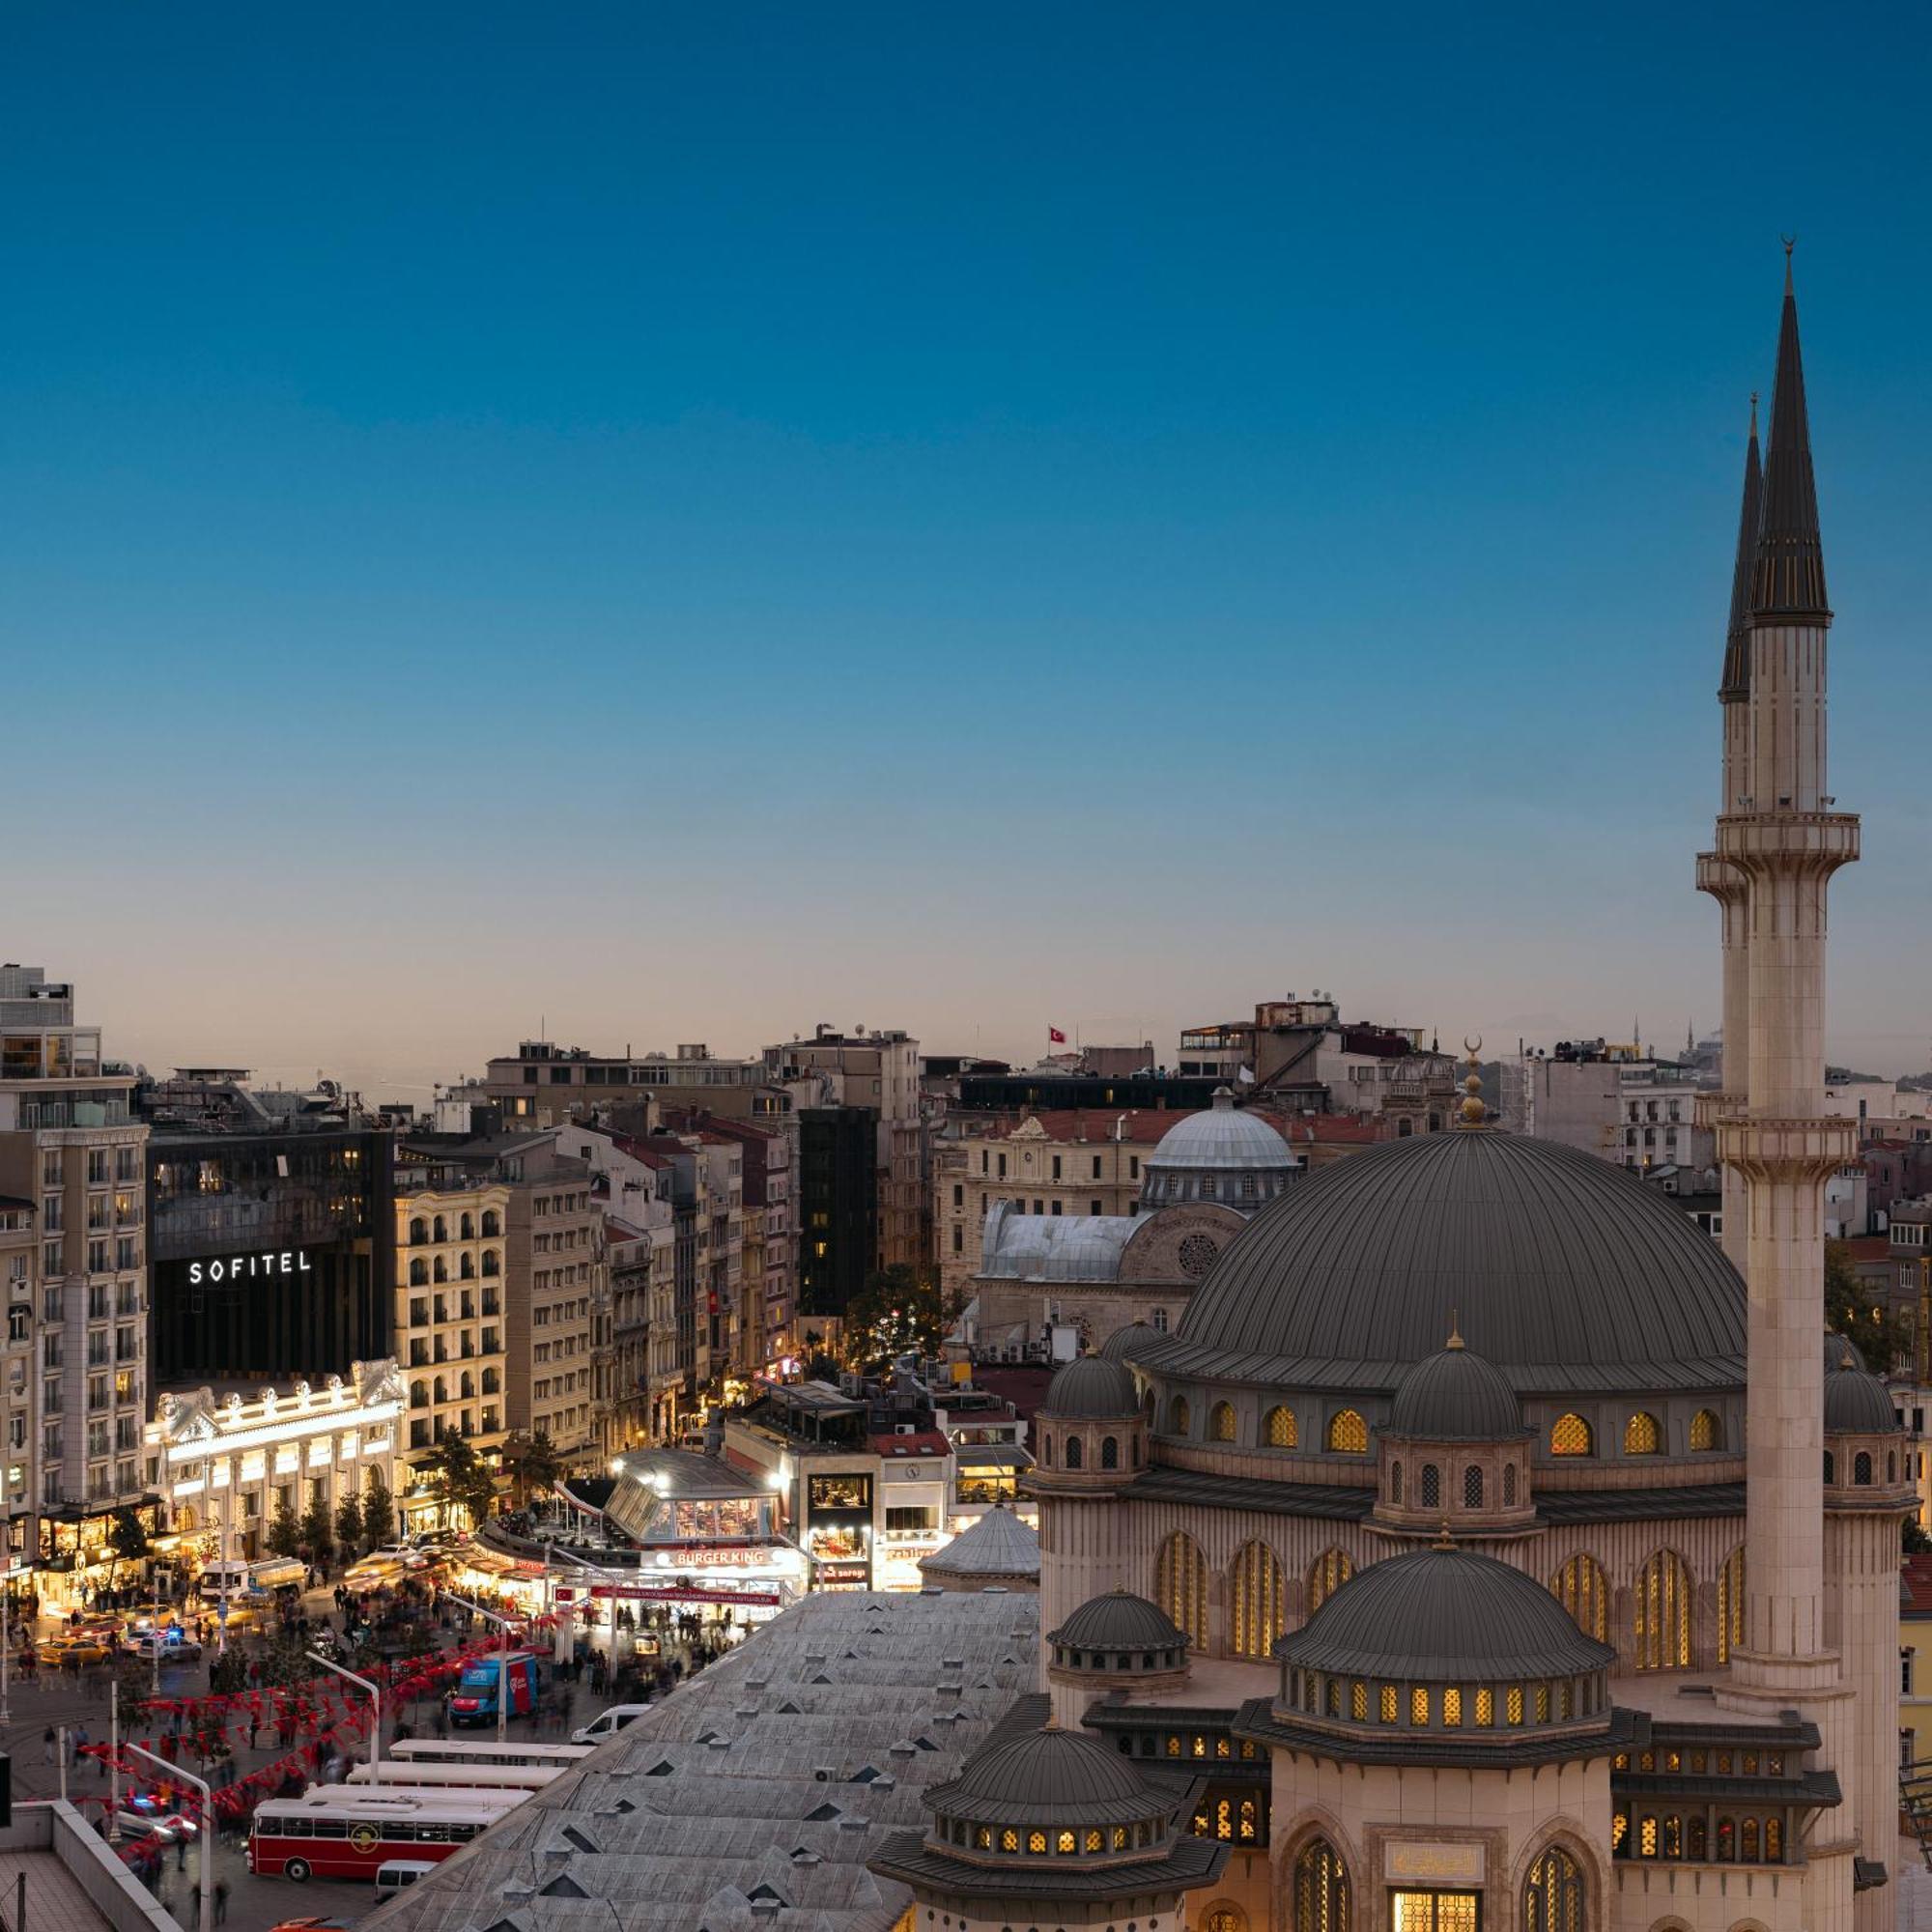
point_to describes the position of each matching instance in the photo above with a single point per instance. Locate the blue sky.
(678, 524)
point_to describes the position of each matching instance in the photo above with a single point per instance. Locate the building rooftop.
(768, 1780)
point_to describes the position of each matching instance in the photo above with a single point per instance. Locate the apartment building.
(19, 1247)
(69, 1144)
(451, 1324)
(543, 1084)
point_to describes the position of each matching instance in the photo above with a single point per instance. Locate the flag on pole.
(1055, 1037)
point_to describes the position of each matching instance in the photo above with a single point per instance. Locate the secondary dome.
(1856, 1403)
(1124, 1344)
(1444, 1617)
(1092, 1389)
(1455, 1396)
(1050, 1776)
(1223, 1139)
(1563, 1269)
(1118, 1621)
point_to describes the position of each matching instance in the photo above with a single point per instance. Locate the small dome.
(1856, 1403)
(1124, 1343)
(1443, 1617)
(1049, 1776)
(1092, 1389)
(1118, 1621)
(999, 1545)
(1841, 1352)
(1223, 1139)
(1455, 1396)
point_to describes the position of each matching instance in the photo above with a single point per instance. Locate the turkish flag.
(1055, 1037)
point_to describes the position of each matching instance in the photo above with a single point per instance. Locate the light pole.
(375, 1705)
(502, 1659)
(174, 1772)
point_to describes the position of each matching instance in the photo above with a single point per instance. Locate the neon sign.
(247, 1268)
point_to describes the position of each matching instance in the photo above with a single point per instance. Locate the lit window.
(1570, 1436)
(1221, 1422)
(1418, 1706)
(1348, 1434)
(1452, 1706)
(1705, 1431)
(1281, 1431)
(1641, 1436)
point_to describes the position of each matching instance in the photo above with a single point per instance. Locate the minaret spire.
(1735, 686)
(1788, 576)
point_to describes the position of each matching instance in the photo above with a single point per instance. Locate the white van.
(398, 1875)
(606, 1723)
(218, 1578)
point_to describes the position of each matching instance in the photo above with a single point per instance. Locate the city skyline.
(665, 535)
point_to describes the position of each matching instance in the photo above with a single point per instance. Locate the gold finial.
(1472, 1110)
(1444, 1541)
(1455, 1340)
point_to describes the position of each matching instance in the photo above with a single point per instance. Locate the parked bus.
(481, 1751)
(349, 1832)
(412, 1775)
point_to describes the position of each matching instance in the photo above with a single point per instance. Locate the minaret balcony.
(1787, 1149)
(1718, 877)
(1712, 1109)
(1774, 840)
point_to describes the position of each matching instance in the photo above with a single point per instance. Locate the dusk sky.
(678, 524)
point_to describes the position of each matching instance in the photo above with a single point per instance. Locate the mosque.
(1484, 1546)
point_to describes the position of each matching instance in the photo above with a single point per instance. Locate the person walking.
(220, 1900)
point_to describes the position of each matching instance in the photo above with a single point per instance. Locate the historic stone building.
(1473, 1550)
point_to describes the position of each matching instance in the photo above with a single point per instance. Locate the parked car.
(60, 1650)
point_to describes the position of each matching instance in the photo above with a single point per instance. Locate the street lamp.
(376, 1707)
(174, 1772)
(502, 1660)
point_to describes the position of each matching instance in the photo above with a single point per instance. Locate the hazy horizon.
(677, 528)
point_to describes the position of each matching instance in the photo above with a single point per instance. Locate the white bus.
(476, 1750)
(412, 1775)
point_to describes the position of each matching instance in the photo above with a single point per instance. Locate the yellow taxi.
(82, 1648)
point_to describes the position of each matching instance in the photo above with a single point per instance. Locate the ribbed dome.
(1118, 1621)
(1443, 1617)
(1857, 1403)
(1223, 1139)
(1563, 1270)
(1455, 1396)
(999, 1545)
(1124, 1343)
(1841, 1352)
(1047, 1776)
(1092, 1389)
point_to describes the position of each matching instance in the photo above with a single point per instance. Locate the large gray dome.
(1455, 1396)
(1563, 1270)
(1092, 1389)
(1443, 1617)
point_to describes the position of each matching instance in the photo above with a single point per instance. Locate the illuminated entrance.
(1436, 1911)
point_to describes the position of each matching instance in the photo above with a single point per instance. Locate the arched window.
(1553, 1895)
(1731, 1605)
(440, 1390)
(418, 1395)
(1179, 1416)
(1347, 1433)
(466, 1386)
(1862, 1469)
(1181, 1586)
(1281, 1430)
(1110, 1453)
(1579, 1586)
(1509, 1486)
(441, 1229)
(1774, 1841)
(1747, 1841)
(1570, 1435)
(418, 1273)
(1891, 1467)
(1473, 1487)
(1074, 1452)
(1221, 1422)
(418, 1231)
(1642, 1436)
(465, 1268)
(1831, 1468)
(1395, 1484)
(440, 1269)
(493, 1222)
(1258, 1593)
(466, 1227)
(1430, 1494)
(1320, 1890)
(490, 1264)
(1225, 1919)
(1705, 1431)
(1661, 1600)
(1326, 1575)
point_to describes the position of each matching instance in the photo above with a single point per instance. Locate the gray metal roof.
(1124, 1343)
(783, 1766)
(1049, 1776)
(1223, 1140)
(1118, 1621)
(999, 1545)
(1094, 1390)
(1857, 1403)
(1445, 1616)
(1455, 1396)
(1561, 1268)
(1243, 1493)
(1054, 1247)
(1788, 577)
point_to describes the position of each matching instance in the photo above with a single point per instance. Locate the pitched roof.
(998, 1544)
(1914, 1586)
(1788, 577)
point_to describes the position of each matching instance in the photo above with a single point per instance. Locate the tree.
(379, 1510)
(1912, 1539)
(1882, 1338)
(284, 1531)
(536, 1460)
(349, 1523)
(459, 1479)
(317, 1531)
(896, 1312)
(126, 1540)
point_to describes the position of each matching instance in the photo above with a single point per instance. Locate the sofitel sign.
(249, 1267)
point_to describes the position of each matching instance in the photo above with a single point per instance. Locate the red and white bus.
(349, 1832)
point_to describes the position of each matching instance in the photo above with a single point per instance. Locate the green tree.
(284, 1531)
(379, 1510)
(126, 1540)
(459, 1479)
(536, 1460)
(349, 1523)
(897, 1311)
(1882, 1338)
(317, 1531)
